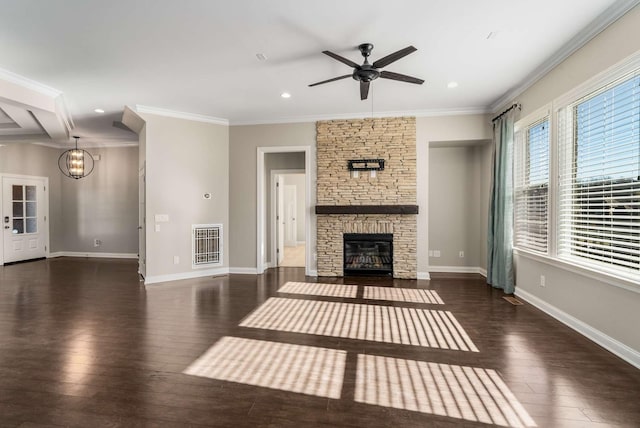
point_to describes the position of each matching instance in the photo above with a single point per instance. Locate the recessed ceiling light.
(452, 85)
(99, 110)
(261, 57)
(285, 95)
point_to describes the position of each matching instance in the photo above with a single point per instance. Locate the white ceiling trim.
(362, 115)
(29, 84)
(608, 17)
(181, 115)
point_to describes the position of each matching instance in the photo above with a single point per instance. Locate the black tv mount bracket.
(366, 165)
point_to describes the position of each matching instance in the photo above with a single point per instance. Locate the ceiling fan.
(366, 72)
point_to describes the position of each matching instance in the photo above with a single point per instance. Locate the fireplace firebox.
(368, 254)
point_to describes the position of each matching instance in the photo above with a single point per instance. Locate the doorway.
(142, 223)
(266, 207)
(25, 209)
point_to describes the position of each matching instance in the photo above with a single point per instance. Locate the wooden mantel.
(366, 209)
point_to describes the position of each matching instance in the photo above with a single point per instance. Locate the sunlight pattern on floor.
(295, 368)
(407, 326)
(317, 289)
(472, 394)
(411, 295)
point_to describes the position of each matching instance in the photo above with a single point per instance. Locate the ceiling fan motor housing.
(366, 73)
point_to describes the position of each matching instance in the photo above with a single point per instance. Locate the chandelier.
(76, 163)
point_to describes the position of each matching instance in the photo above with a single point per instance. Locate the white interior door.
(142, 224)
(280, 219)
(291, 206)
(24, 210)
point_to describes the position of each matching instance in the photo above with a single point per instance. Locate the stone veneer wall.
(391, 139)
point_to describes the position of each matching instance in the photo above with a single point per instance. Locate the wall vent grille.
(207, 244)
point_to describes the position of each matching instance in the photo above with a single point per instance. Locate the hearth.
(368, 254)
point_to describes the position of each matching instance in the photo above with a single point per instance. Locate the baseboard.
(612, 345)
(154, 279)
(458, 269)
(96, 255)
(244, 271)
(424, 275)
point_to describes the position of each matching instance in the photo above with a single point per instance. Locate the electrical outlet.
(436, 253)
(543, 281)
(97, 242)
(461, 254)
(176, 260)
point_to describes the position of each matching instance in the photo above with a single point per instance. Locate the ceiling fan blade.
(330, 80)
(400, 77)
(364, 90)
(382, 62)
(341, 59)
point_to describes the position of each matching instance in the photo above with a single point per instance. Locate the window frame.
(613, 277)
(521, 129)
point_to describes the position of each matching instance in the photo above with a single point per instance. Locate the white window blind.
(599, 173)
(532, 186)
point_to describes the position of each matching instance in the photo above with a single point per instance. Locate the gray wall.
(41, 161)
(456, 193)
(600, 305)
(184, 160)
(444, 130)
(103, 205)
(244, 142)
(278, 161)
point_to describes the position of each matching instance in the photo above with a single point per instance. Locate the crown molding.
(608, 17)
(181, 115)
(367, 115)
(29, 84)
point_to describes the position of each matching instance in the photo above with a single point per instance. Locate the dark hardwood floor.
(84, 344)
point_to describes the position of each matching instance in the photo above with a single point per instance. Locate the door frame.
(273, 208)
(261, 205)
(142, 221)
(45, 196)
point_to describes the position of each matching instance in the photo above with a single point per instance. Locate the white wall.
(184, 160)
(298, 181)
(606, 312)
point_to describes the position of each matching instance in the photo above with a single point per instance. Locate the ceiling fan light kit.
(366, 73)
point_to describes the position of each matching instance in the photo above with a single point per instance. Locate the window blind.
(599, 177)
(532, 186)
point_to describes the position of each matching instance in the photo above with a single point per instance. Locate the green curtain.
(500, 234)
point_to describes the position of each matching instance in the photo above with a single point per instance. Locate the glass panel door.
(24, 209)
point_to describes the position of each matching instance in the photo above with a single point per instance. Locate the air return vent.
(207, 244)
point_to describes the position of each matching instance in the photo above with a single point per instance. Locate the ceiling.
(199, 56)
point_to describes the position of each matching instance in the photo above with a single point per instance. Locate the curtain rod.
(506, 111)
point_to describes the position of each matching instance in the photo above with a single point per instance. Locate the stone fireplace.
(379, 203)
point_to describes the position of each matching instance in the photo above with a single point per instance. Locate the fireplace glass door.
(368, 254)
